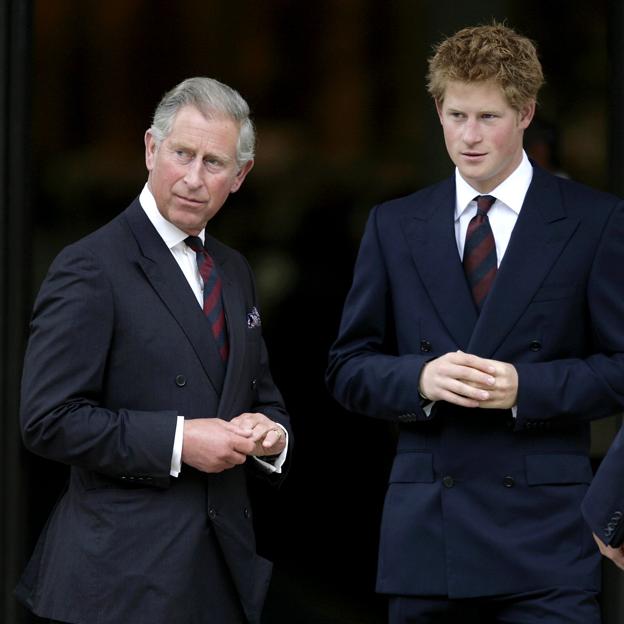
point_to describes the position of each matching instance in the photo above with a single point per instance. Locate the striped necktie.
(480, 252)
(213, 304)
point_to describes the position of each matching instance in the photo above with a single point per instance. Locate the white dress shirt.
(503, 214)
(185, 257)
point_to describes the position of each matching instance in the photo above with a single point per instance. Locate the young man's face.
(483, 134)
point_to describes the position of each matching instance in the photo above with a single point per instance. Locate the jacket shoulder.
(576, 195)
(419, 203)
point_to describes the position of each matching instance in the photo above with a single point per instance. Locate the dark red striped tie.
(213, 305)
(480, 251)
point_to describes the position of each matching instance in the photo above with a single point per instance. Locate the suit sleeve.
(268, 399)
(590, 387)
(365, 373)
(603, 505)
(64, 381)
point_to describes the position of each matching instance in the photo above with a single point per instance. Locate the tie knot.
(195, 243)
(484, 203)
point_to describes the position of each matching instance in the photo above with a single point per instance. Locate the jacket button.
(254, 384)
(508, 481)
(180, 381)
(448, 481)
(212, 512)
(425, 346)
(535, 345)
(246, 512)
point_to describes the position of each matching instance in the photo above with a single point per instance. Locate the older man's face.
(194, 169)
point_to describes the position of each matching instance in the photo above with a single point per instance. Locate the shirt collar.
(511, 191)
(171, 234)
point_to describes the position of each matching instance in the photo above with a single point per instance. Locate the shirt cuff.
(274, 465)
(427, 408)
(176, 457)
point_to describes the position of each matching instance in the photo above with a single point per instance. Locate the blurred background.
(338, 96)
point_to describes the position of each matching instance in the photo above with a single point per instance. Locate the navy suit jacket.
(118, 349)
(480, 503)
(603, 505)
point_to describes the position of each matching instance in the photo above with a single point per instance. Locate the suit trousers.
(550, 606)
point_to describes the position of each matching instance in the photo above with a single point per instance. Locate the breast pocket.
(553, 292)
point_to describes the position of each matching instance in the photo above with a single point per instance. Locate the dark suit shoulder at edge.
(420, 204)
(418, 197)
(109, 231)
(573, 190)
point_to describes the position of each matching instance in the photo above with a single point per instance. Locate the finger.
(238, 454)
(225, 464)
(467, 391)
(252, 417)
(259, 432)
(439, 378)
(238, 428)
(242, 423)
(246, 418)
(458, 399)
(238, 458)
(273, 438)
(463, 372)
(480, 380)
(476, 378)
(460, 365)
(241, 442)
(474, 361)
(600, 544)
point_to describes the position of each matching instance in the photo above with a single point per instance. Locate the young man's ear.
(526, 114)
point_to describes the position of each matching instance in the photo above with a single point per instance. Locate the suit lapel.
(430, 236)
(538, 238)
(166, 278)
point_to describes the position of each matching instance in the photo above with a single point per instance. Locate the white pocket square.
(253, 318)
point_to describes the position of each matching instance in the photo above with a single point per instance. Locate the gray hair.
(211, 98)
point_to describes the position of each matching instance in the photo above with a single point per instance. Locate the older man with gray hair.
(146, 372)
